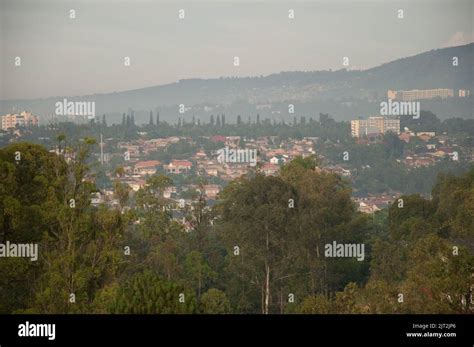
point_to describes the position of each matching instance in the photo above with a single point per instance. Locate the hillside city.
(131, 154)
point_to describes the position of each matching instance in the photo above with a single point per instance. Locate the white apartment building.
(419, 94)
(374, 126)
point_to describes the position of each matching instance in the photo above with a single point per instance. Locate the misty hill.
(433, 69)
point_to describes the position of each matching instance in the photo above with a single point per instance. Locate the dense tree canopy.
(261, 249)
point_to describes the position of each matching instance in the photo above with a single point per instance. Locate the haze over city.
(84, 55)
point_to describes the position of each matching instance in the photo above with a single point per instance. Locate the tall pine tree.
(151, 118)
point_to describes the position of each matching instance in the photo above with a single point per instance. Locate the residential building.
(212, 170)
(374, 125)
(419, 94)
(132, 149)
(464, 93)
(24, 119)
(135, 184)
(274, 160)
(270, 169)
(148, 167)
(178, 166)
(211, 191)
(366, 207)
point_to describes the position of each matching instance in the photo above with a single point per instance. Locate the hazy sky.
(63, 56)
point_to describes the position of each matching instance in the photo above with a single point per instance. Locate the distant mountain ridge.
(432, 69)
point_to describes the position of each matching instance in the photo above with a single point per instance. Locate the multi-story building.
(419, 94)
(462, 93)
(24, 119)
(374, 126)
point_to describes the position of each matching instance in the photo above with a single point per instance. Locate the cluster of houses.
(137, 165)
(429, 148)
(432, 148)
(271, 154)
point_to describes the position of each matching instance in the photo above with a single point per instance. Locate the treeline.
(261, 249)
(246, 126)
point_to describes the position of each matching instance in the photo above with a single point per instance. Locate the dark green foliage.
(259, 250)
(146, 293)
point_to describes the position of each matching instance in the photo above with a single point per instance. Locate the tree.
(394, 147)
(346, 302)
(424, 261)
(121, 193)
(438, 279)
(151, 118)
(31, 189)
(198, 271)
(61, 138)
(199, 217)
(262, 243)
(324, 213)
(78, 262)
(255, 218)
(323, 118)
(214, 301)
(164, 257)
(317, 304)
(381, 296)
(146, 293)
(307, 163)
(453, 200)
(388, 261)
(79, 251)
(409, 217)
(152, 208)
